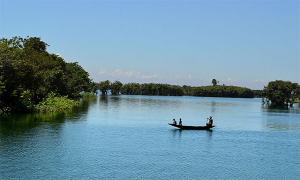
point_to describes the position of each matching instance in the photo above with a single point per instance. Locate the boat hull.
(192, 127)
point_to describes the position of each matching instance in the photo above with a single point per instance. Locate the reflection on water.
(104, 100)
(176, 132)
(179, 132)
(280, 109)
(209, 133)
(23, 123)
(282, 118)
(213, 107)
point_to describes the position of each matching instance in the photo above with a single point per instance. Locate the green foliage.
(152, 89)
(173, 90)
(87, 95)
(78, 79)
(131, 89)
(28, 73)
(221, 91)
(214, 82)
(35, 43)
(94, 87)
(25, 100)
(187, 90)
(280, 92)
(2, 89)
(115, 87)
(104, 87)
(54, 103)
(257, 93)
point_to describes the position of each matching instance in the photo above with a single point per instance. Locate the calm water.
(127, 137)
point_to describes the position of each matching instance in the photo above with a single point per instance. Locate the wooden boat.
(192, 127)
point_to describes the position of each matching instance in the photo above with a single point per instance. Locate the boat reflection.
(179, 132)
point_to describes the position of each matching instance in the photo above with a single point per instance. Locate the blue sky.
(242, 43)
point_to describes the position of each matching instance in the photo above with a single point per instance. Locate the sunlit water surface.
(127, 137)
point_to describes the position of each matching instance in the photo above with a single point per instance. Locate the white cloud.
(232, 80)
(102, 71)
(131, 73)
(120, 73)
(147, 77)
(259, 80)
(177, 77)
(190, 76)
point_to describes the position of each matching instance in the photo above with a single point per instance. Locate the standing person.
(174, 121)
(180, 122)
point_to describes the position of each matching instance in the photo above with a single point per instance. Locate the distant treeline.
(152, 89)
(175, 90)
(219, 91)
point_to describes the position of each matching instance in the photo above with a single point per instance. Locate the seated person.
(180, 122)
(174, 121)
(210, 121)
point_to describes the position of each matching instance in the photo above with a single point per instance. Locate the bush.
(87, 95)
(54, 103)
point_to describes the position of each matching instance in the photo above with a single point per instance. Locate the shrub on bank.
(87, 95)
(54, 103)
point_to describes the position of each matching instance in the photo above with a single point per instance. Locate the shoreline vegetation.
(175, 90)
(33, 80)
(54, 102)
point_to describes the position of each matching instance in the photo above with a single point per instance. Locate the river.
(127, 137)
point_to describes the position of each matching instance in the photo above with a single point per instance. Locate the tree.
(28, 73)
(94, 87)
(115, 87)
(104, 87)
(35, 43)
(281, 92)
(295, 93)
(77, 79)
(214, 82)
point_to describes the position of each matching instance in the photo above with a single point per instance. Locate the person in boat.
(180, 122)
(210, 121)
(174, 121)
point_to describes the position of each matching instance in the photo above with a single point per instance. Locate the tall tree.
(214, 82)
(115, 87)
(77, 79)
(104, 87)
(94, 87)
